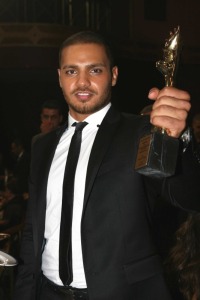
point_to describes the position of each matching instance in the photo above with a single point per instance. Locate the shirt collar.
(94, 119)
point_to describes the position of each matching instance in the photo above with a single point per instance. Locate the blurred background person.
(13, 205)
(20, 165)
(51, 117)
(2, 172)
(183, 264)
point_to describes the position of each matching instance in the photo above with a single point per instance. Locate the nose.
(83, 80)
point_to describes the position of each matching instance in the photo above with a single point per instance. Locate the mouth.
(83, 96)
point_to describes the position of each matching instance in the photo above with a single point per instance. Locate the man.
(51, 118)
(113, 253)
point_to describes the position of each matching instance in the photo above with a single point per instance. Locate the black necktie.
(65, 251)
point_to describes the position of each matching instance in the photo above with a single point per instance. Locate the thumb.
(153, 93)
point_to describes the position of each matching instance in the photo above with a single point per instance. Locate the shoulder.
(129, 122)
(36, 137)
(131, 117)
(139, 122)
(42, 139)
(115, 115)
(46, 144)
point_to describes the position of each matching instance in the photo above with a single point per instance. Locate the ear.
(114, 75)
(59, 77)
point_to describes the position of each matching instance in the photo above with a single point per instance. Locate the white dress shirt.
(50, 256)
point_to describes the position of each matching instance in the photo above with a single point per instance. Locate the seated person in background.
(12, 206)
(51, 117)
(2, 172)
(183, 264)
(21, 165)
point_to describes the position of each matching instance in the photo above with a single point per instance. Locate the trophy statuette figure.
(157, 151)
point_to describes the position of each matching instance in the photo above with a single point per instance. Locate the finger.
(166, 101)
(174, 127)
(169, 111)
(155, 94)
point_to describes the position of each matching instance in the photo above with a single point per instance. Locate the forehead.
(82, 53)
(50, 111)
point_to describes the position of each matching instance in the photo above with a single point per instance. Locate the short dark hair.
(52, 104)
(88, 37)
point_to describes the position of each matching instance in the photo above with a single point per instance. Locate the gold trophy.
(157, 151)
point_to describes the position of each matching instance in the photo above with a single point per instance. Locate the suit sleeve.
(26, 269)
(183, 188)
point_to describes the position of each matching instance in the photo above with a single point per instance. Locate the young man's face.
(86, 79)
(50, 118)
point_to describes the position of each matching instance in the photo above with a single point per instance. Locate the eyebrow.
(88, 66)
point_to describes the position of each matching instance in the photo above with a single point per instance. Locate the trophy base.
(157, 155)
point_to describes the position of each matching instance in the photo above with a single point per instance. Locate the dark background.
(30, 35)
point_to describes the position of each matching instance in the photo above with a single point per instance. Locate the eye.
(71, 72)
(96, 71)
(45, 117)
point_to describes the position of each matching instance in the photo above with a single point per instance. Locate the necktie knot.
(79, 125)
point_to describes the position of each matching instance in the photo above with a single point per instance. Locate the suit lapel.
(100, 146)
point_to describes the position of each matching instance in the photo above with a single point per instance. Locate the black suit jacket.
(120, 259)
